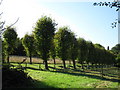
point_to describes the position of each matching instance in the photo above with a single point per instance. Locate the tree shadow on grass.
(82, 73)
(79, 73)
(39, 84)
(90, 76)
(32, 68)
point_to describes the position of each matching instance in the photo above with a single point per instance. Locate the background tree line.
(48, 42)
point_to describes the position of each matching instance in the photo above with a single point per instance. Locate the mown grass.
(59, 78)
(62, 80)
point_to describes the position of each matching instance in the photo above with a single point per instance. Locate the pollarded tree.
(110, 58)
(63, 43)
(99, 46)
(28, 43)
(82, 51)
(118, 60)
(19, 48)
(10, 37)
(3, 52)
(53, 51)
(44, 33)
(73, 50)
(90, 52)
(116, 49)
(99, 52)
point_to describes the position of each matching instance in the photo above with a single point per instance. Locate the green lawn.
(62, 80)
(67, 79)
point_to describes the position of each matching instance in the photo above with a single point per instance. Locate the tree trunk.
(82, 66)
(3, 59)
(102, 71)
(8, 59)
(69, 62)
(99, 65)
(26, 64)
(46, 65)
(54, 62)
(96, 66)
(74, 65)
(39, 66)
(30, 59)
(87, 65)
(1, 54)
(92, 66)
(64, 64)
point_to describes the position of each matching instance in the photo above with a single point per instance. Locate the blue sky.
(90, 22)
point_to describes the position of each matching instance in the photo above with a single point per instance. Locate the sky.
(90, 22)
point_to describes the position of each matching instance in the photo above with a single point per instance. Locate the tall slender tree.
(63, 44)
(90, 52)
(53, 51)
(82, 51)
(28, 43)
(73, 50)
(116, 49)
(10, 37)
(44, 33)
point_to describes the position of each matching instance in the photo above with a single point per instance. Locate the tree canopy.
(44, 33)
(28, 43)
(63, 37)
(10, 37)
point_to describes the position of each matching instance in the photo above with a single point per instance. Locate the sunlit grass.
(65, 79)
(62, 80)
(57, 77)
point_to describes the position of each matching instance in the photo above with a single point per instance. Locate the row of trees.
(116, 51)
(46, 42)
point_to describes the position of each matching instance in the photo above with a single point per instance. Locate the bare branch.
(1, 2)
(2, 24)
(13, 24)
(1, 13)
(3, 29)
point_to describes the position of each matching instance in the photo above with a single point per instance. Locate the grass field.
(68, 78)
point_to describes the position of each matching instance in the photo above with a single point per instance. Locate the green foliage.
(63, 41)
(99, 46)
(109, 4)
(82, 50)
(10, 37)
(103, 56)
(19, 49)
(90, 52)
(44, 34)
(118, 59)
(53, 50)
(28, 43)
(73, 46)
(63, 37)
(116, 49)
(3, 51)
